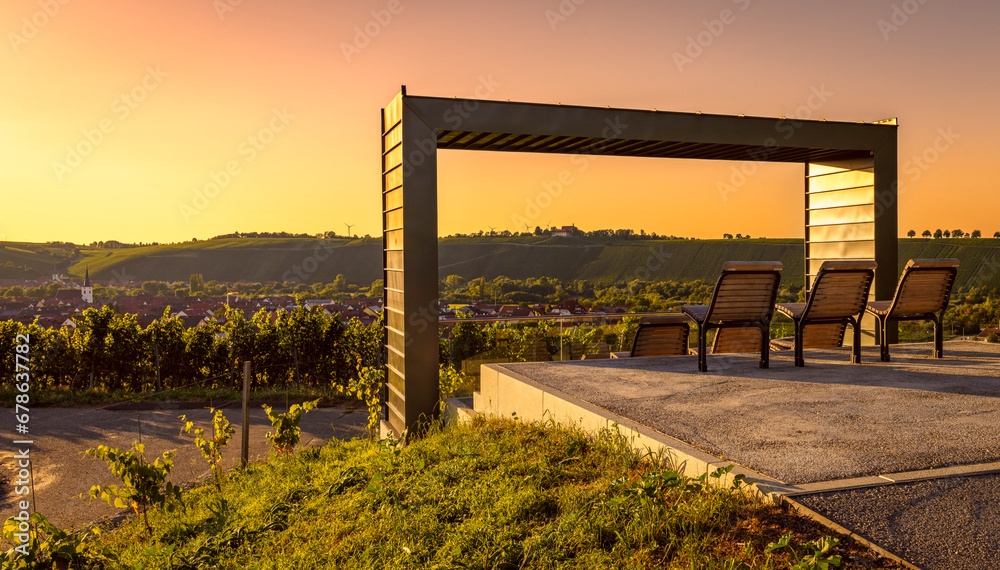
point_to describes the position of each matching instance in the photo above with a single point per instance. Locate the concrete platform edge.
(505, 393)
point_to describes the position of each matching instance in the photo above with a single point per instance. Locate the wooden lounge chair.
(736, 339)
(743, 297)
(837, 299)
(661, 336)
(921, 295)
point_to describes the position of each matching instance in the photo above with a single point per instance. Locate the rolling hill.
(599, 260)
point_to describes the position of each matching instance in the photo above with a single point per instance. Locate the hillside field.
(599, 260)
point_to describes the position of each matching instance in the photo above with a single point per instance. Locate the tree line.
(110, 351)
(938, 234)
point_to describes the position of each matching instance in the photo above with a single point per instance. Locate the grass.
(491, 494)
(63, 398)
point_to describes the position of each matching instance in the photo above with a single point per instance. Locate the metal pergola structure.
(850, 183)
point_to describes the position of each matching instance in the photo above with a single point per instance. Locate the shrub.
(286, 432)
(211, 449)
(144, 484)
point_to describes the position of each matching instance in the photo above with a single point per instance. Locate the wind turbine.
(492, 230)
(349, 226)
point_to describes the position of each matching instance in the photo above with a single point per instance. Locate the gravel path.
(943, 524)
(61, 470)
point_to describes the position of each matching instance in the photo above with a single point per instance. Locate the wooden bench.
(837, 299)
(743, 298)
(921, 295)
(661, 336)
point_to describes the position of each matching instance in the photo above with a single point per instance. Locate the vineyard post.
(245, 444)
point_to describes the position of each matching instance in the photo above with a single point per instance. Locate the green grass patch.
(490, 494)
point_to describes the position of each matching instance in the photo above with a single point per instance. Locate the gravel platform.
(830, 420)
(943, 524)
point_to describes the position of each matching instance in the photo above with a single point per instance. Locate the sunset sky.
(117, 115)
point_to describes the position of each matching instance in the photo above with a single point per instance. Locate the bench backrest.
(924, 286)
(840, 289)
(661, 336)
(745, 291)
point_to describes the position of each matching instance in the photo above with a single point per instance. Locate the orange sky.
(277, 102)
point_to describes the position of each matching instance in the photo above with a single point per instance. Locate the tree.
(196, 283)
(926, 234)
(937, 234)
(911, 233)
(727, 236)
(996, 234)
(976, 234)
(957, 233)
(340, 283)
(947, 233)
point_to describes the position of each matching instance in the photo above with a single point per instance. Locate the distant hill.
(21, 260)
(599, 260)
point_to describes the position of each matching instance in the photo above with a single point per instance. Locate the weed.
(286, 432)
(211, 449)
(144, 484)
(50, 547)
(816, 555)
(368, 388)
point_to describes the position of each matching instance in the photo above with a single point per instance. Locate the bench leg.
(765, 345)
(800, 359)
(856, 351)
(883, 325)
(938, 338)
(702, 359)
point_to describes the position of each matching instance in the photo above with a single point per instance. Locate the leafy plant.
(816, 558)
(286, 432)
(453, 382)
(368, 388)
(144, 484)
(211, 449)
(51, 547)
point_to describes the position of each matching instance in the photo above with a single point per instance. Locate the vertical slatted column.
(392, 262)
(840, 213)
(409, 222)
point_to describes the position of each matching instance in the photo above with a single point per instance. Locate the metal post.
(156, 353)
(245, 444)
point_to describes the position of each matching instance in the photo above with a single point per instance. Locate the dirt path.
(61, 470)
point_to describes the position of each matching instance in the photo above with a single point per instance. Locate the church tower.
(87, 293)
